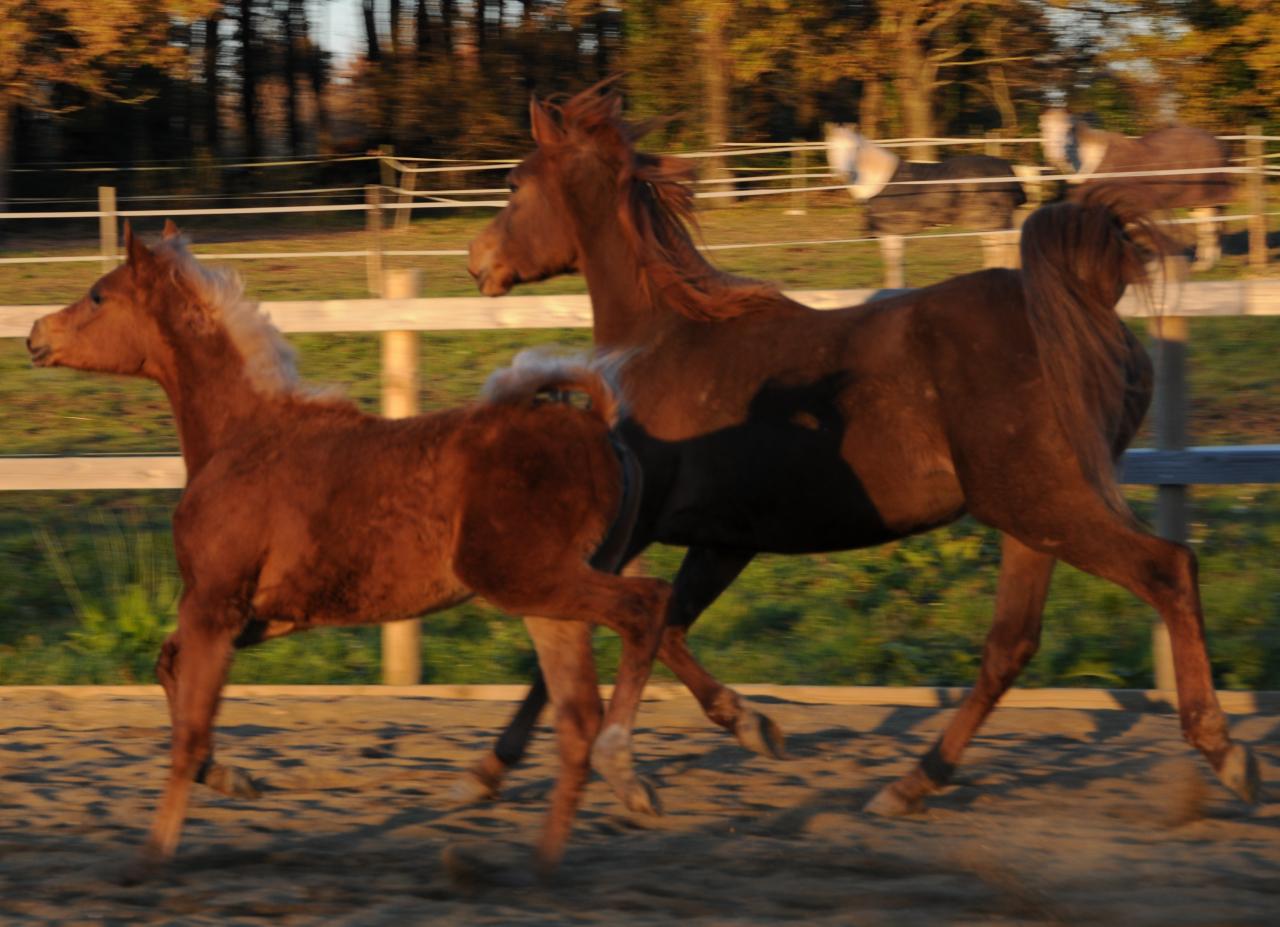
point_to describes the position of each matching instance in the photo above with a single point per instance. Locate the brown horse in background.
(301, 511)
(764, 425)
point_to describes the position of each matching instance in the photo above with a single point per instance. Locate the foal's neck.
(211, 395)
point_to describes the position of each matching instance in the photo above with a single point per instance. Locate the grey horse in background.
(1074, 146)
(897, 207)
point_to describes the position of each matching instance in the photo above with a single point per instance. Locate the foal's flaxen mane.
(657, 214)
(269, 359)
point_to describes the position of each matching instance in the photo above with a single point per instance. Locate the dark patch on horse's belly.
(781, 489)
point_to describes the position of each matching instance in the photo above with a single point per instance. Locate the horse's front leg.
(197, 658)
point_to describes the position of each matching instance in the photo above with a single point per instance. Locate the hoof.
(611, 757)
(471, 789)
(1239, 773)
(759, 734)
(475, 866)
(640, 797)
(889, 802)
(231, 780)
(143, 868)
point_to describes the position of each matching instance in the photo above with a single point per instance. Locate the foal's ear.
(171, 229)
(138, 255)
(542, 124)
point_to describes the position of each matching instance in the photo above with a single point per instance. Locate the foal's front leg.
(229, 780)
(203, 654)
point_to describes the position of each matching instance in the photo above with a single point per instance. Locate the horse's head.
(842, 150)
(583, 176)
(1058, 138)
(114, 327)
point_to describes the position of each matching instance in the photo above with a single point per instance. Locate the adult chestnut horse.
(302, 511)
(1004, 394)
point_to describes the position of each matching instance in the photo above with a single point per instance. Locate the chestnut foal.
(301, 510)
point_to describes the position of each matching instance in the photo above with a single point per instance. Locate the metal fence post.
(1170, 334)
(401, 640)
(1256, 187)
(107, 223)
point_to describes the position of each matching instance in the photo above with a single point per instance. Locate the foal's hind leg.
(704, 574)
(1011, 643)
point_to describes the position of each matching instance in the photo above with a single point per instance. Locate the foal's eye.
(95, 297)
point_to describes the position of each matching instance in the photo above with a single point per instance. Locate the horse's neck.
(876, 167)
(1092, 146)
(624, 310)
(211, 396)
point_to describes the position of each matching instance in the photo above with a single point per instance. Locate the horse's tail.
(1077, 259)
(541, 372)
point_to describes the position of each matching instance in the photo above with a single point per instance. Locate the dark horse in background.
(764, 425)
(905, 197)
(1073, 145)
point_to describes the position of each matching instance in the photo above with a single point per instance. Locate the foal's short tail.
(1077, 258)
(539, 371)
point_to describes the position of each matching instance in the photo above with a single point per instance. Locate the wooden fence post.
(107, 223)
(1256, 186)
(892, 250)
(1170, 334)
(993, 146)
(401, 640)
(799, 166)
(408, 183)
(373, 224)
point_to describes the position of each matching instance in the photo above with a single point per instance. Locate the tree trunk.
(395, 40)
(372, 52)
(716, 78)
(293, 57)
(212, 86)
(480, 26)
(446, 26)
(422, 35)
(1003, 100)
(249, 80)
(7, 112)
(316, 72)
(914, 83)
(871, 107)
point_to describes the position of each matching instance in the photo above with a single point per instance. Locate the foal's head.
(159, 310)
(585, 168)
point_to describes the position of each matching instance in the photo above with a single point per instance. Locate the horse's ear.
(542, 125)
(171, 229)
(137, 255)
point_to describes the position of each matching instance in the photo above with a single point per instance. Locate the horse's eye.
(95, 297)
(511, 185)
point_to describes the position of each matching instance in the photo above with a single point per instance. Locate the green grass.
(87, 581)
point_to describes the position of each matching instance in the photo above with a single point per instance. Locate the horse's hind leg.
(1011, 643)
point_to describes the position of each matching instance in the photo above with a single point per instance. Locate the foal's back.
(337, 517)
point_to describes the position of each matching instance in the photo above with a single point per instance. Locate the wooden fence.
(1170, 466)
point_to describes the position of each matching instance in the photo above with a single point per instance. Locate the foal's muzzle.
(38, 347)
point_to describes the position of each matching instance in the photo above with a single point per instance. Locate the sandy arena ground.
(1058, 817)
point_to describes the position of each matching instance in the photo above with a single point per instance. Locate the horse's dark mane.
(657, 215)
